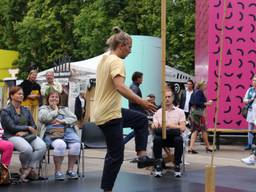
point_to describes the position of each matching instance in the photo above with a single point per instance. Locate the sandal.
(192, 151)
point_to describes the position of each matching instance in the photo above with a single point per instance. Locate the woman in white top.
(249, 98)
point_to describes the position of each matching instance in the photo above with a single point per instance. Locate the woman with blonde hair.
(32, 93)
(198, 103)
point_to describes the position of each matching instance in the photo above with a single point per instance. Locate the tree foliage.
(44, 30)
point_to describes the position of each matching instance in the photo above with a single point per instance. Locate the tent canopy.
(79, 70)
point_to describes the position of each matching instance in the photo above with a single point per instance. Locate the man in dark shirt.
(137, 79)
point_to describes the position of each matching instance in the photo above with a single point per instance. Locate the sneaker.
(249, 160)
(72, 175)
(59, 176)
(145, 161)
(158, 169)
(248, 147)
(135, 160)
(177, 172)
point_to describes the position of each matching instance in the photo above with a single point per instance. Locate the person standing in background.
(198, 104)
(185, 97)
(50, 85)
(80, 105)
(249, 99)
(32, 94)
(137, 79)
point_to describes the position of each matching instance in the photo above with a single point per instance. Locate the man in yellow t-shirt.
(108, 114)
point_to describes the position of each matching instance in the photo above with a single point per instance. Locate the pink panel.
(239, 59)
(201, 45)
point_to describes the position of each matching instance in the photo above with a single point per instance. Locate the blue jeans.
(113, 132)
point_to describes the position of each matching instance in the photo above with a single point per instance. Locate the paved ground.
(228, 155)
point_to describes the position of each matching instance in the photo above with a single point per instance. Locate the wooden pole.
(163, 39)
(210, 169)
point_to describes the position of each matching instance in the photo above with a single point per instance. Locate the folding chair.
(46, 159)
(92, 137)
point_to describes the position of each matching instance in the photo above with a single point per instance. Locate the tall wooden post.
(163, 39)
(210, 169)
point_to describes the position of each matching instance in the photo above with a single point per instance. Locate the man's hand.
(155, 125)
(148, 106)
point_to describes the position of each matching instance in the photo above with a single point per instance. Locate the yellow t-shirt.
(107, 103)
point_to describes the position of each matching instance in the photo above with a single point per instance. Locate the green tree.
(44, 30)
(45, 33)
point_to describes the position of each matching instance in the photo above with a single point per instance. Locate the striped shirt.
(1, 132)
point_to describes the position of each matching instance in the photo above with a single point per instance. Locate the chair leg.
(82, 145)
(79, 162)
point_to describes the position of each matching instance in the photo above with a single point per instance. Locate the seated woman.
(20, 129)
(6, 149)
(58, 131)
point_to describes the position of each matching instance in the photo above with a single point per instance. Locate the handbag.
(56, 133)
(29, 137)
(244, 111)
(198, 111)
(5, 178)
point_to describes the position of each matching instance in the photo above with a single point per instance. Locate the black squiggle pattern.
(239, 76)
(251, 51)
(240, 98)
(228, 74)
(252, 28)
(218, 4)
(240, 86)
(241, 16)
(229, 63)
(229, 39)
(217, 28)
(252, 5)
(240, 40)
(228, 110)
(229, 16)
(227, 122)
(252, 63)
(240, 28)
(253, 16)
(228, 86)
(241, 51)
(241, 4)
(240, 63)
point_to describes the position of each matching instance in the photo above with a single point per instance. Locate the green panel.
(146, 58)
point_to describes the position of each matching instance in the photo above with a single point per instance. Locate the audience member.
(20, 129)
(175, 125)
(58, 131)
(6, 149)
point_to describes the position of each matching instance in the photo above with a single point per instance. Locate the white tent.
(80, 70)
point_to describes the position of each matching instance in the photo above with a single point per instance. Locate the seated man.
(175, 125)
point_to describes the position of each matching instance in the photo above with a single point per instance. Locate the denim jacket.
(12, 122)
